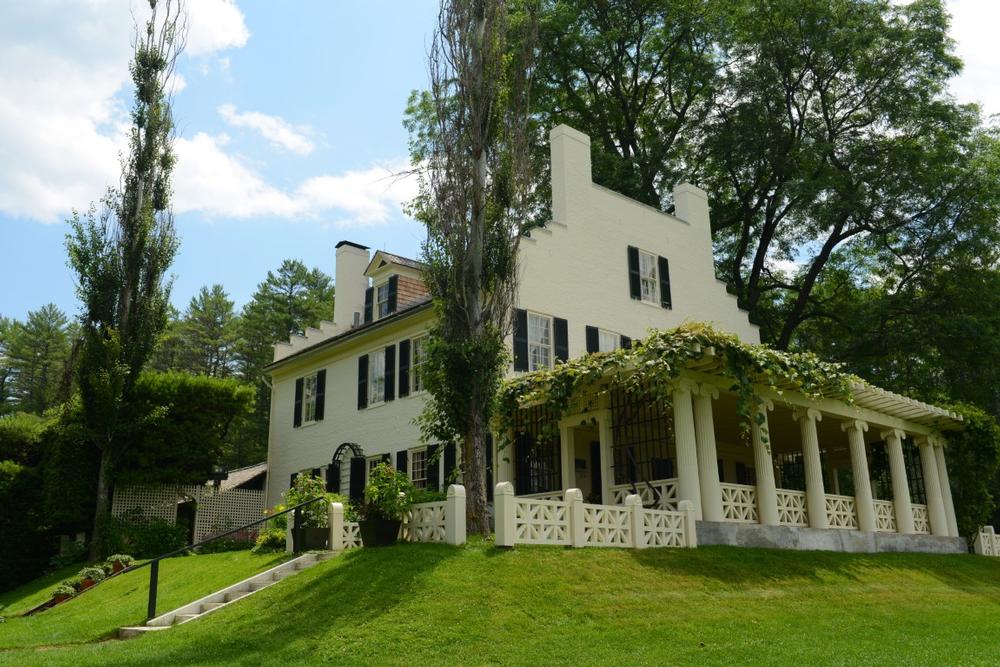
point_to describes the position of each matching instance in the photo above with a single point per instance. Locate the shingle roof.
(241, 476)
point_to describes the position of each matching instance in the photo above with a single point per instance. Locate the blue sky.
(289, 128)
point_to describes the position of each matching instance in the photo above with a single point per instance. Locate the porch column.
(606, 436)
(688, 487)
(900, 487)
(932, 486)
(767, 494)
(567, 456)
(863, 503)
(949, 505)
(708, 466)
(815, 490)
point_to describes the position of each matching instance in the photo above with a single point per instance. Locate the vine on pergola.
(650, 368)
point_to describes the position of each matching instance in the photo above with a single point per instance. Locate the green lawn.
(98, 613)
(432, 604)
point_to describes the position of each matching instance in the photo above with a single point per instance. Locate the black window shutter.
(362, 382)
(401, 461)
(369, 298)
(333, 477)
(316, 472)
(520, 340)
(390, 373)
(320, 394)
(663, 268)
(294, 477)
(433, 479)
(297, 418)
(387, 458)
(634, 288)
(357, 487)
(561, 335)
(404, 368)
(393, 291)
(593, 339)
(449, 462)
(626, 343)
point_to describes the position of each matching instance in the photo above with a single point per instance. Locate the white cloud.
(272, 128)
(973, 27)
(214, 25)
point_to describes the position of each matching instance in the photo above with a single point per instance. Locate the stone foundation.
(810, 539)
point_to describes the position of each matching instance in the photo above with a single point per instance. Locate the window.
(373, 462)
(539, 342)
(309, 399)
(383, 300)
(418, 467)
(418, 357)
(376, 377)
(647, 278)
(608, 341)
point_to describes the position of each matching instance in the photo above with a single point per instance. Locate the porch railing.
(885, 516)
(739, 503)
(666, 488)
(792, 508)
(921, 524)
(987, 542)
(840, 512)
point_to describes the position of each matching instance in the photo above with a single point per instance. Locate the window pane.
(383, 300)
(309, 398)
(647, 276)
(418, 468)
(416, 361)
(376, 376)
(608, 342)
(539, 342)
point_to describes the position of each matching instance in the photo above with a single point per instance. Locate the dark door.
(595, 470)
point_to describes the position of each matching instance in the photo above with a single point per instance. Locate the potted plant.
(315, 519)
(90, 576)
(63, 592)
(388, 497)
(119, 562)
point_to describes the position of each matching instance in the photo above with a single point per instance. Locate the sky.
(290, 136)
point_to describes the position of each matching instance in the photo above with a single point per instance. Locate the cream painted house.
(865, 476)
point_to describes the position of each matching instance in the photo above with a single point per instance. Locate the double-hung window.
(418, 467)
(608, 341)
(647, 278)
(376, 377)
(309, 399)
(418, 356)
(539, 342)
(383, 300)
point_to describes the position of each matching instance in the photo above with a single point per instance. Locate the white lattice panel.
(667, 489)
(425, 523)
(153, 501)
(606, 526)
(885, 516)
(214, 512)
(987, 542)
(921, 524)
(739, 503)
(662, 529)
(352, 535)
(792, 508)
(840, 512)
(541, 521)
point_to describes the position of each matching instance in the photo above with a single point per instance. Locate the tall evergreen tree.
(208, 331)
(37, 350)
(6, 370)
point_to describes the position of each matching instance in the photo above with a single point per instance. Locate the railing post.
(154, 575)
(297, 530)
(335, 518)
(633, 503)
(574, 505)
(503, 510)
(289, 535)
(690, 524)
(454, 515)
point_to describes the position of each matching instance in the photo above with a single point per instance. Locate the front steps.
(228, 595)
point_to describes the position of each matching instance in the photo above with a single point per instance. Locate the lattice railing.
(667, 489)
(606, 526)
(921, 524)
(352, 535)
(548, 495)
(541, 521)
(739, 503)
(885, 516)
(663, 529)
(792, 508)
(425, 523)
(987, 542)
(840, 512)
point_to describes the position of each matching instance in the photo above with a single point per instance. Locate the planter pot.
(117, 567)
(86, 583)
(378, 532)
(314, 538)
(56, 599)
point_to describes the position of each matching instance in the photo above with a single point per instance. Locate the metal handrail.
(154, 563)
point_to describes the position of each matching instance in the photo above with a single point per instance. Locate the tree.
(121, 255)
(209, 333)
(36, 352)
(473, 201)
(6, 370)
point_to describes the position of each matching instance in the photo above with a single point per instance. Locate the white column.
(574, 502)
(503, 514)
(606, 436)
(633, 503)
(932, 486)
(815, 491)
(863, 503)
(767, 494)
(708, 466)
(567, 456)
(454, 515)
(900, 487)
(688, 487)
(949, 505)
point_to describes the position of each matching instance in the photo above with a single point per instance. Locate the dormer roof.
(383, 258)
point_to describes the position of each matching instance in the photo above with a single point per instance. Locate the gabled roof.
(382, 258)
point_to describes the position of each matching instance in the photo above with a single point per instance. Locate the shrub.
(145, 537)
(25, 549)
(388, 494)
(124, 559)
(95, 574)
(270, 541)
(64, 589)
(20, 438)
(227, 544)
(427, 496)
(307, 487)
(73, 552)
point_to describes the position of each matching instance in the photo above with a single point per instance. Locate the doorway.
(587, 464)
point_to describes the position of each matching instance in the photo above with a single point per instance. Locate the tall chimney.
(350, 283)
(570, 154)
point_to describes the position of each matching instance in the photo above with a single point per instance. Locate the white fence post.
(335, 514)
(454, 515)
(635, 510)
(983, 542)
(503, 510)
(686, 507)
(574, 502)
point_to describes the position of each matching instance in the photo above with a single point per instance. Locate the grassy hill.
(433, 604)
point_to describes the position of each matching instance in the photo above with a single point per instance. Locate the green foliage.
(36, 351)
(270, 540)
(64, 590)
(124, 559)
(973, 456)
(69, 472)
(143, 536)
(20, 438)
(74, 552)
(25, 549)
(307, 487)
(225, 544)
(418, 496)
(95, 574)
(388, 494)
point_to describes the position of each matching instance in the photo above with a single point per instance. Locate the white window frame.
(379, 301)
(420, 483)
(602, 337)
(649, 280)
(309, 399)
(374, 400)
(416, 385)
(539, 345)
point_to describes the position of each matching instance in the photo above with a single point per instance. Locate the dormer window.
(380, 301)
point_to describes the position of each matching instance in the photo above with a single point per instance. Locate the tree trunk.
(474, 475)
(102, 505)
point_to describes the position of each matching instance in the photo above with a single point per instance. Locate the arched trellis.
(357, 468)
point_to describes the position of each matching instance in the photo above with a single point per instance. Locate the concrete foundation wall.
(810, 539)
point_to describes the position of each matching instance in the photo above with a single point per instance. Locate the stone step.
(210, 606)
(184, 618)
(236, 595)
(259, 585)
(138, 631)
